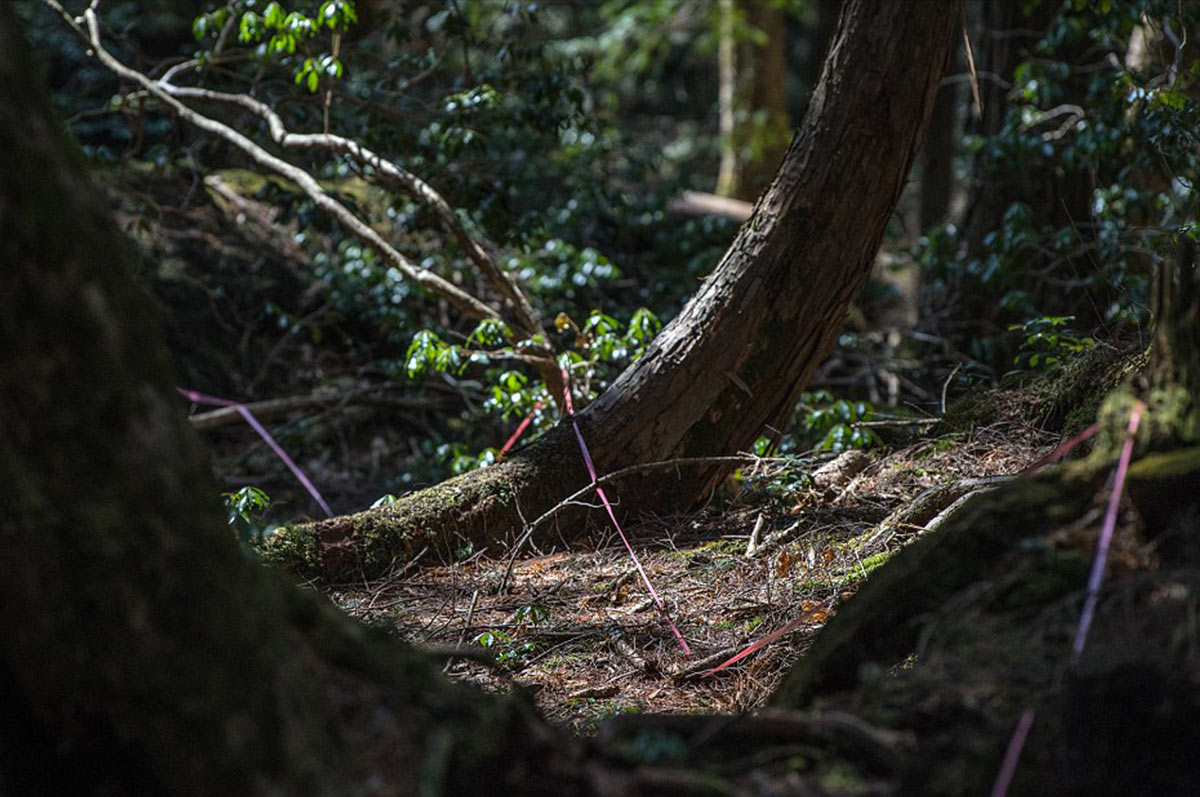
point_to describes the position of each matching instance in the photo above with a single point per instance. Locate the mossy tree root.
(482, 508)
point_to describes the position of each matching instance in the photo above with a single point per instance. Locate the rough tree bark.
(733, 363)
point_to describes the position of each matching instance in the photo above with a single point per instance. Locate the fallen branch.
(393, 175)
(931, 508)
(699, 203)
(273, 408)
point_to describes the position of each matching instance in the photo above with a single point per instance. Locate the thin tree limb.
(393, 175)
(465, 302)
(273, 408)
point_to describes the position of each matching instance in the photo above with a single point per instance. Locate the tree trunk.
(733, 363)
(140, 651)
(753, 97)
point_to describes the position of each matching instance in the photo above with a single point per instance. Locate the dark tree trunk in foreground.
(732, 364)
(140, 651)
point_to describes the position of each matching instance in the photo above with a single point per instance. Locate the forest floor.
(577, 627)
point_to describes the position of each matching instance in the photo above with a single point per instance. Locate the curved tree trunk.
(733, 363)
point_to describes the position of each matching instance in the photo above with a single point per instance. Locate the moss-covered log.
(467, 513)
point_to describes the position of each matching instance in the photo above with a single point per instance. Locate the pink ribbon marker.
(1012, 754)
(591, 467)
(1096, 577)
(521, 428)
(213, 401)
(758, 643)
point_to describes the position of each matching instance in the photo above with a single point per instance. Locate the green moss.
(711, 547)
(1078, 390)
(1166, 467)
(871, 562)
(292, 549)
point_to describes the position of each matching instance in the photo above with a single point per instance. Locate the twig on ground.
(752, 544)
(610, 477)
(394, 576)
(946, 385)
(932, 505)
(462, 637)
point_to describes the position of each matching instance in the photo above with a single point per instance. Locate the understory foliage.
(1097, 156)
(560, 134)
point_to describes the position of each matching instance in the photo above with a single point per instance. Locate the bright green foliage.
(245, 509)
(387, 499)
(1046, 340)
(598, 350)
(455, 458)
(510, 651)
(834, 422)
(512, 397)
(280, 34)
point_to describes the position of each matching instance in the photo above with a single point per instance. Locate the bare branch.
(465, 302)
(700, 203)
(393, 175)
(273, 408)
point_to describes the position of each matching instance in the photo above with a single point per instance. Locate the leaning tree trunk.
(733, 363)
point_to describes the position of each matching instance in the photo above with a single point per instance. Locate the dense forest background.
(567, 135)
(385, 239)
